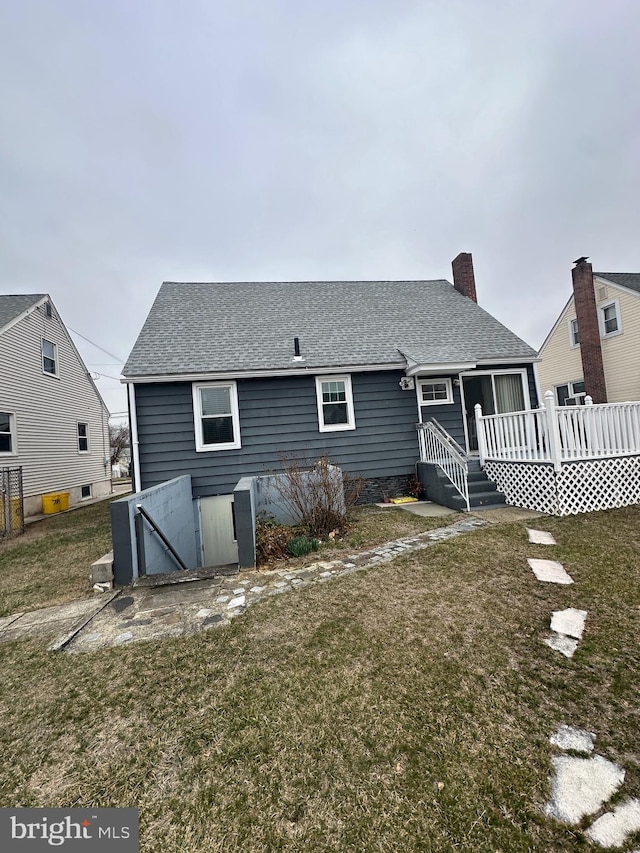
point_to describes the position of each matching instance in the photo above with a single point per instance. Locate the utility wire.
(102, 349)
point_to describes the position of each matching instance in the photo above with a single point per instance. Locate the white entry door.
(218, 534)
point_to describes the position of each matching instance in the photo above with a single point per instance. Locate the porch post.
(482, 447)
(553, 431)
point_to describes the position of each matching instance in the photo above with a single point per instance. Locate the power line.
(97, 346)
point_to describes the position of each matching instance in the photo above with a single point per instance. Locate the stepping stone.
(540, 537)
(569, 622)
(203, 613)
(613, 828)
(565, 645)
(236, 602)
(549, 571)
(568, 737)
(123, 638)
(581, 786)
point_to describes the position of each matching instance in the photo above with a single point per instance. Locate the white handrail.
(439, 448)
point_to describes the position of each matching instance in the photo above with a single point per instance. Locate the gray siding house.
(227, 378)
(53, 421)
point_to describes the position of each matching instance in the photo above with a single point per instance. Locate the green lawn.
(405, 708)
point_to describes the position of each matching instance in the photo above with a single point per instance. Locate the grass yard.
(406, 708)
(51, 561)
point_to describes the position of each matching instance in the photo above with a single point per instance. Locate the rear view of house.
(53, 421)
(227, 378)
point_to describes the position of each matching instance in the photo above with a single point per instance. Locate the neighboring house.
(225, 379)
(53, 421)
(594, 346)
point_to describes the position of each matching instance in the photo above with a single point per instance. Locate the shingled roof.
(626, 279)
(246, 327)
(12, 305)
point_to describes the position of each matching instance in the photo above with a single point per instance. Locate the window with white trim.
(434, 392)
(7, 434)
(49, 358)
(610, 319)
(83, 438)
(216, 416)
(574, 337)
(85, 491)
(335, 403)
(571, 393)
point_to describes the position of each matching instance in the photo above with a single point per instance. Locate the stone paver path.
(540, 537)
(549, 571)
(581, 786)
(613, 828)
(567, 627)
(187, 608)
(570, 738)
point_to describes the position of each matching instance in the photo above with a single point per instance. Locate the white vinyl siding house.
(58, 423)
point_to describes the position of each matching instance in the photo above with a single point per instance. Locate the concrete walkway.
(179, 609)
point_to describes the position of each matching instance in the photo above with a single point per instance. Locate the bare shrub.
(319, 495)
(271, 539)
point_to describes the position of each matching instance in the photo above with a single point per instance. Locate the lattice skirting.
(585, 486)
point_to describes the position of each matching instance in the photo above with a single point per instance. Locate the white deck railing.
(439, 448)
(560, 434)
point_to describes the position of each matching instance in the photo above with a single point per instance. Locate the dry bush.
(271, 540)
(319, 495)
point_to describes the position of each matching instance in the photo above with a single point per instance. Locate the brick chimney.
(589, 331)
(463, 278)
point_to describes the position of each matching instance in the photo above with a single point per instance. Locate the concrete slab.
(581, 786)
(613, 828)
(569, 622)
(568, 737)
(540, 537)
(426, 509)
(549, 571)
(565, 645)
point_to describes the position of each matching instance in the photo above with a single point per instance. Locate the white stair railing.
(439, 448)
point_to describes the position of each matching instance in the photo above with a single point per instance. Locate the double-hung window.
(217, 420)
(7, 434)
(574, 337)
(609, 319)
(335, 403)
(83, 438)
(49, 358)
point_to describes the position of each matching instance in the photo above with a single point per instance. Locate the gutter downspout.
(135, 448)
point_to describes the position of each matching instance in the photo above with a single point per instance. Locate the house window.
(573, 333)
(83, 438)
(85, 491)
(7, 433)
(217, 420)
(49, 358)
(609, 319)
(571, 394)
(433, 392)
(335, 403)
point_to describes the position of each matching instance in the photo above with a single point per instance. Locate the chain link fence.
(11, 503)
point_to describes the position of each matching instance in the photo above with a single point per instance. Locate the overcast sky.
(151, 140)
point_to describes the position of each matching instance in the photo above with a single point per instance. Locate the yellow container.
(55, 502)
(15, 520)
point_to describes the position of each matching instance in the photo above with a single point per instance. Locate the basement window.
(216, 416)
(85, 491)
